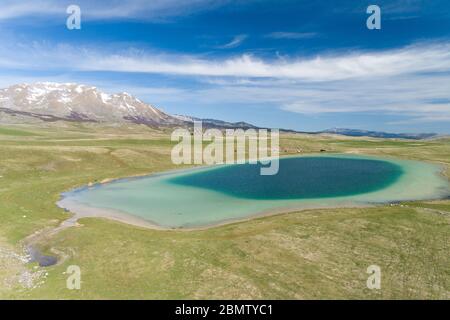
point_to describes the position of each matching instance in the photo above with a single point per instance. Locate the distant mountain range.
(378, 134)
(48, 101)
(213, 123)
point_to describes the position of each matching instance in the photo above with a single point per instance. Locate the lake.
(214, 195)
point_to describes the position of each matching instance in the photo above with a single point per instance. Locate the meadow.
(313, 254)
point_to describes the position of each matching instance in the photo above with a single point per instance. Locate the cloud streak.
(415, 59)
(410, 81)
(15, 9)
(292, 35)
(236, 42)
(114, 9)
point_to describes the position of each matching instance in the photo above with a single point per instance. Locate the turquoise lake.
(213, 195)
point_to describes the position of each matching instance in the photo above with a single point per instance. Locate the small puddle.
(43, 260)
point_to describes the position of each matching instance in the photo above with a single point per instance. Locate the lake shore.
(80, 210)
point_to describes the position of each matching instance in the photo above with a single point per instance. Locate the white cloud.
(14, 9)
(93, 10)
(292, 35)
(416, 98)
(412, 81)
(235, 42)
(363, 65)
(422, 119)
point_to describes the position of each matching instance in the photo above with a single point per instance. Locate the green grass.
(311, 254)
(15, 132)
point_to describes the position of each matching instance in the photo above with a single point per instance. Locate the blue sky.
(306, 65)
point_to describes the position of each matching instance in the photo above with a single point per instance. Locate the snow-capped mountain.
(48, 101)
(75, 102)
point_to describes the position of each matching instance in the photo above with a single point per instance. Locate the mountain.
(74, 102)
(48, 101)
(214, 123)
(378, 134)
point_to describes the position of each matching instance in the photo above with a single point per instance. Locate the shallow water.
(208, 196)
(41, 259)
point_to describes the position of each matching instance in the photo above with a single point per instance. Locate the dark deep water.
(298, 178)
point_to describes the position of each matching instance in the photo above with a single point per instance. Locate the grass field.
(309, 254)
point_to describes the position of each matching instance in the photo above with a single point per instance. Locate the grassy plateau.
(313, 254)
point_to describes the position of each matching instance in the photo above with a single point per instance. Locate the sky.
(304, 65)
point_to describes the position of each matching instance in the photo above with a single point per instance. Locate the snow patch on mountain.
(80, 102)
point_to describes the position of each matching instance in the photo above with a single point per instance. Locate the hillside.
(75, 102)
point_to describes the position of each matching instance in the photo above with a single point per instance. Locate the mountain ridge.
(377, 134)
(50, 102)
